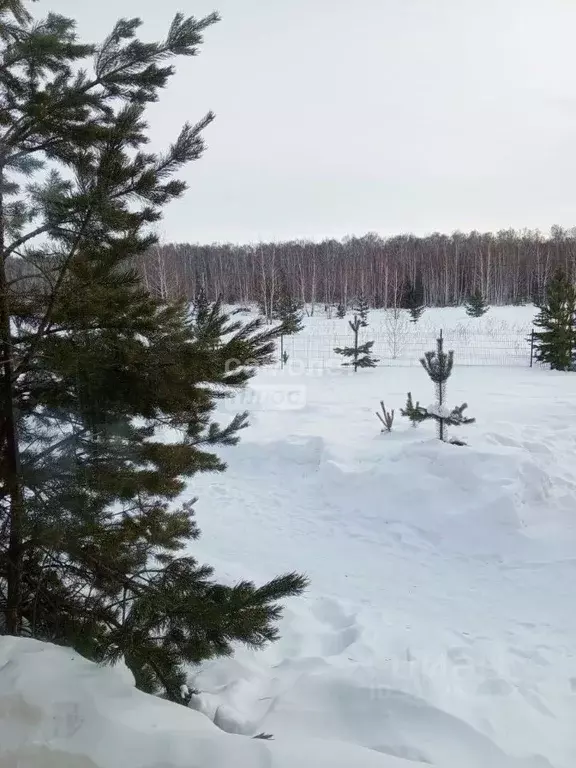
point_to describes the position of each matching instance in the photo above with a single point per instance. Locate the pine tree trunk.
(441, 385)
(441, 425)
(9, 448)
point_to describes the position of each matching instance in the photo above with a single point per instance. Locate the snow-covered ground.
(440, 624)
(58, 710)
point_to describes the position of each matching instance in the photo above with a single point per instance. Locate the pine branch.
(53, 297)
(415, 413)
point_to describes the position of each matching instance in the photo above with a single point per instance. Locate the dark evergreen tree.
(341, 311)
(95, 551)
(201, 305)
(361, 308)
(414, 298)
(476, 305)
(555, 341)
(288, 311)
(358, 355)
(438, 365)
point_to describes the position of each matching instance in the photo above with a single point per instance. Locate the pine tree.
(555, 342)
(360, 355)
(438, 365)
(288, 311)
(341, 311)
(475, 304)
(94, 370)
(414, 298)
(361, 308)
(201, 305)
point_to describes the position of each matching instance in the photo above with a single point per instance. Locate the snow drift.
(58, 710)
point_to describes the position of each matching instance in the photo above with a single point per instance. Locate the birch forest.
(510, 267)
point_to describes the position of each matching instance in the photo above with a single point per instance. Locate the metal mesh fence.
(405, 347)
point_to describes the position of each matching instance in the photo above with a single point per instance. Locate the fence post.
(531, 347)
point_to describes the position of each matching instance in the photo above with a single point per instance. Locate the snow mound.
(58, 710)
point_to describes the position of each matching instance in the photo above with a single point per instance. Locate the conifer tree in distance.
(289, 313)
(96, 548)
(358, 355)
(476, 305)
(555, 339)
(414, 298)
(201, 305)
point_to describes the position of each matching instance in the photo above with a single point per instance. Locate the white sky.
(340, 117)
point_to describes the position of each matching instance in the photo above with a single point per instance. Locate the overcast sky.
(339, 117)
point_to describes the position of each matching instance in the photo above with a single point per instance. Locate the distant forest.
(510, 267)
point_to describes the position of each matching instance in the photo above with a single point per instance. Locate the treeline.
(510, 267)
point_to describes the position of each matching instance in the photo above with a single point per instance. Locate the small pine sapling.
(415, 413)
(438, 365)
(360, 355)
(386, 417)
(341, 311)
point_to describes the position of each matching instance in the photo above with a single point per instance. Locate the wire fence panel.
(405, 348)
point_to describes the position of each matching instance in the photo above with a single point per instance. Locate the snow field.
(439, 626)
